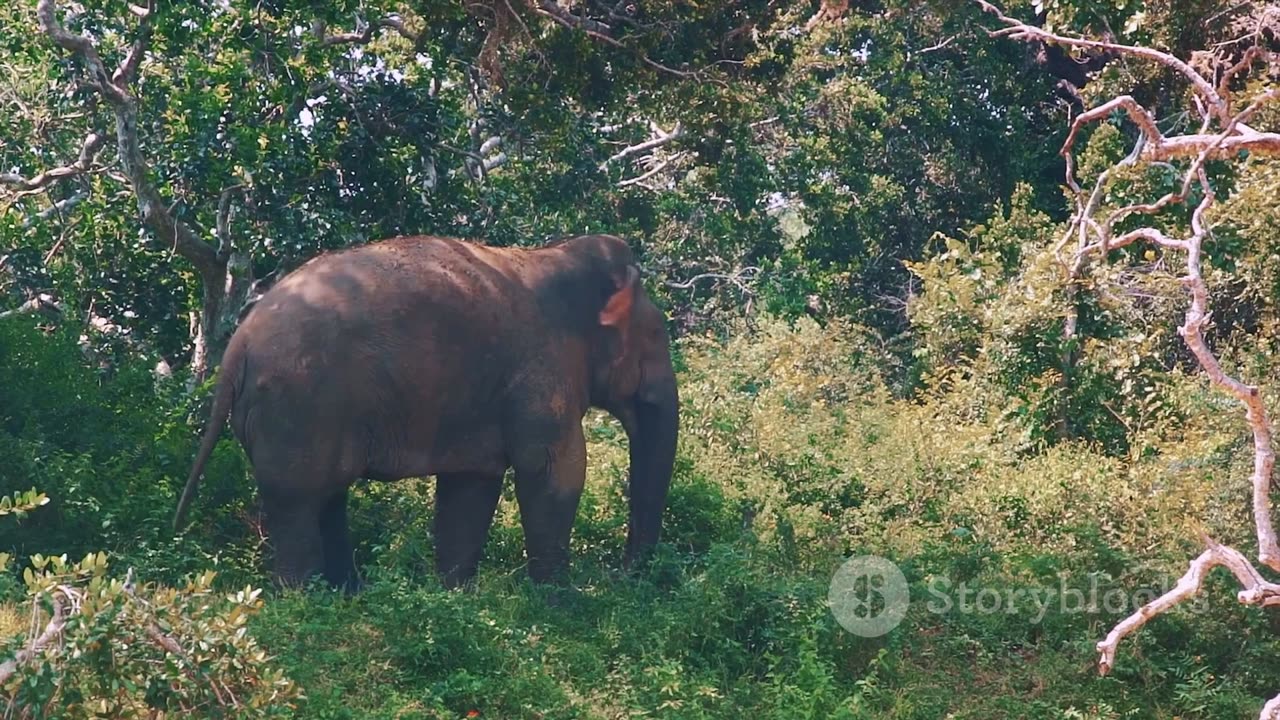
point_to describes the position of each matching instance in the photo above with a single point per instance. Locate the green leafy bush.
(104, 647)
(111, 444)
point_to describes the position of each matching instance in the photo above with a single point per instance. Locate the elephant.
(422, 355)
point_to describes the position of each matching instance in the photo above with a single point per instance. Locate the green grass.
(792, 458)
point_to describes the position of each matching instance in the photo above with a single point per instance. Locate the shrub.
(104, 647)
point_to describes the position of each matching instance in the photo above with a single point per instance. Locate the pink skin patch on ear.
(618, 310)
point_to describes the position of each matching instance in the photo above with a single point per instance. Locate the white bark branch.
(1255, 590)
(1021, 31)
(1235, 136)
(739, 278)
(58, 208)
(639, 179)
(41, 303)
(661, 137)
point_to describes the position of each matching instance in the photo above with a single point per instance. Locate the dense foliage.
(854, 216)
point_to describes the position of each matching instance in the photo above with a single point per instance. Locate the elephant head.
(634, 380)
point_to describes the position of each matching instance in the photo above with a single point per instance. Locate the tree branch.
(600, 31)
(154, 211)
(639, 179)
(661, 138)
(1254, 591)
(365, 36)
(51, 632)
(42, 303)
(58, 208)
(738, 277)
(1250, 56)
(168, 231)
(223, 223)
(1021, 31)
(128, 69)
(1152, 147)
(88, 151)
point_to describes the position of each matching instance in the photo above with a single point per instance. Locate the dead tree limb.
(51, 632)
(660, 138)
(1096, 238)
(1019, 30)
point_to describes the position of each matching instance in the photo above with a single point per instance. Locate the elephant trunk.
(653, 451)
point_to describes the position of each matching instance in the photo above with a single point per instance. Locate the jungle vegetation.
(932, 275)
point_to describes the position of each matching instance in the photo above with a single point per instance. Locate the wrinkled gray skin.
(422, 356)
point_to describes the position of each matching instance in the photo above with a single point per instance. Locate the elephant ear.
(617, 311)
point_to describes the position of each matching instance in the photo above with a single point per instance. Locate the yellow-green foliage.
(795, 421)
(107, 647)
(12, 621)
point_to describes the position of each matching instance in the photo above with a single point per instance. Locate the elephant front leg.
(339, 560)
(465, 503)
(549, 485)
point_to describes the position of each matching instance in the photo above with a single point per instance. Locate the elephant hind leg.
(335, 537)
(465, 503)
(293, 528)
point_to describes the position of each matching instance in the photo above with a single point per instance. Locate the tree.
(1226, 96)
(201, 150)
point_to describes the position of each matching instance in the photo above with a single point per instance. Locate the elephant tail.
(223, 396)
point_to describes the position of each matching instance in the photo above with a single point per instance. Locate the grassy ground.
(793, 457)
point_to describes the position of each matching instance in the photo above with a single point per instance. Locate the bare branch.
(738, 277)
(1021, 31)
(88, 151)
(50, 633)
(938, 46)
(1255, 591)
(365, 36)
(1209, 146)
(129, 68)
(58, 208)
(1094, 238)
(42, 303)
(661, 138)
(1186, 145)
(600, 31)
(639, 180)
(1149, 234)
(1250, 56)
(1141, 117)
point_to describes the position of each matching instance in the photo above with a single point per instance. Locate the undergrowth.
(1019, 555)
